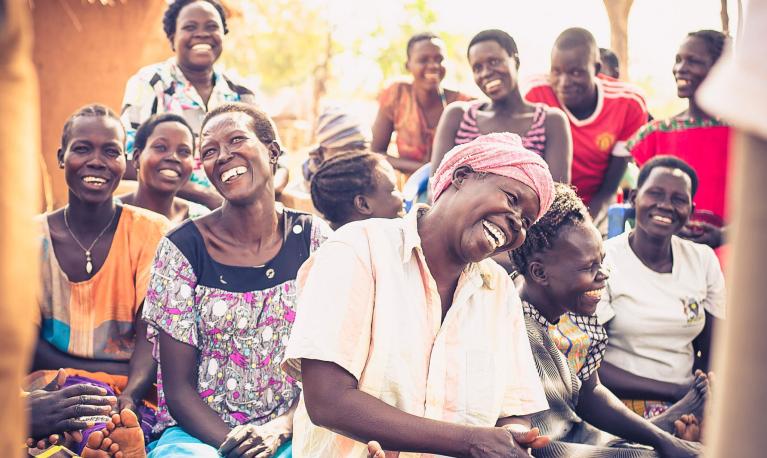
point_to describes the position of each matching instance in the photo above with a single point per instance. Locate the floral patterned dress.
(238, 318)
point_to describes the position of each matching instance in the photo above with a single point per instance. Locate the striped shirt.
(534, 139)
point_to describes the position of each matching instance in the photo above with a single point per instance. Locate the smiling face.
(198, 37)
(236, 162)
(495, 72)
(574, 276)
(692, 64)
(166, 163)
(492, 214)
(385, 200)
(94, 158)
(425, 62)
(572, 76)
(663, 204)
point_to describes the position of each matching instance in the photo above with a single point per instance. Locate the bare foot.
(122, 438)
(101, 446)
(687, 428)
(127, 434)
(692, 403)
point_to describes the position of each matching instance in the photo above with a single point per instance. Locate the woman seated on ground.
(494, 61)
(564, 278)
(96, 257)
(695, 137)
(163, 151)
(664, 294)
(354, 186)
(406, 324)
(221, 302)
(189, 84)
(412, 109)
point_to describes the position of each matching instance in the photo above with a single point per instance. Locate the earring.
(274, 159)
(61, 164)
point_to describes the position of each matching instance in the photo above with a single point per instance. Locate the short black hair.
(92, 110)
(567, 209)
(714, 40)
(575, 37)
(171, 15)
(147, 127)
(262, 124)
(671, 162)
(499, 36)
(609, 58)
(339, 180)
(423, 36)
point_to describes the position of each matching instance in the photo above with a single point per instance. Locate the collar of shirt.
(476, 273)
(530, 310)
(175, 76)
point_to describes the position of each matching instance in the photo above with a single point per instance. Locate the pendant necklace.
(88, 259)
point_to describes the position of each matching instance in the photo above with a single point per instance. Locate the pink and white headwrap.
(500, 154)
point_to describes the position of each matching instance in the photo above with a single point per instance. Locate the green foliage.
(280, 41)
(417, 17)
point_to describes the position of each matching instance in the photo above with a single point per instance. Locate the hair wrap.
(500, 154)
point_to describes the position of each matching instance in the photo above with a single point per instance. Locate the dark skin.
(573, 77)
(425, 64)
(663, 206)
(692, 63)
(246, 231)
(569, 277)
(383, 201)
(165, 165)
(54, 410)
(197, 43)
(495, 72)
(452, 236)
(94, 161)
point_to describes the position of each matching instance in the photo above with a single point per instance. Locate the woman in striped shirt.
(494, 60)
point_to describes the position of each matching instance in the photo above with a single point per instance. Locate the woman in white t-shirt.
(663, 295)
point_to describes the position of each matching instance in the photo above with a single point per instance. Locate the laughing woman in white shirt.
(664, 294)
(408, 334)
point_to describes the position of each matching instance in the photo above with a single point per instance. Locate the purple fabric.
(147, 415)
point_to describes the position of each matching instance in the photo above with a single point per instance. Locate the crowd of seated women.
(198, 317)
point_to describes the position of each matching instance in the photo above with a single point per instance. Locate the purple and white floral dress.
(238, 318)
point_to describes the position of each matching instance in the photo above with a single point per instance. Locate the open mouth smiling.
(494, 234)
(232, 174)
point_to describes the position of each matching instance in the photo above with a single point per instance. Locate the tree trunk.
(618, 13)
(725, 18)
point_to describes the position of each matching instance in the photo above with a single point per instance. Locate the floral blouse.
(238, 318)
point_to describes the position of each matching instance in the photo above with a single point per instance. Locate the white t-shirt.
(652, 318)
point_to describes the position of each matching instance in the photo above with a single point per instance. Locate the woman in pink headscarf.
(407, 333)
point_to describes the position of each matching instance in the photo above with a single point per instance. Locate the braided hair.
(339, 180)
(174, 9)
(567, 209)
(714, 41)
(92, 110)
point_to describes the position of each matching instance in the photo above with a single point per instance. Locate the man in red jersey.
(603, 114)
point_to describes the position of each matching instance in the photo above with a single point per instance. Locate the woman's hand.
(251, 441)
(60, 411)
(506, 441)
(703, 232)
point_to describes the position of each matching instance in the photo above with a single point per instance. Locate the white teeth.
(94, 180)
(202, 47)
(594, 293)
(682, 83)
(169, 173)
(662, 219)
(494, 234)
(492, 85)
(233, 172)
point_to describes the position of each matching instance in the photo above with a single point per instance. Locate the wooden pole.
(19, 201)
(618, 14)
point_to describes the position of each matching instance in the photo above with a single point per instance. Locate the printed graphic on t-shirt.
(604, 141)
(691, 309)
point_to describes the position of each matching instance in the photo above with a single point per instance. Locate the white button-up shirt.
(368, 303)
